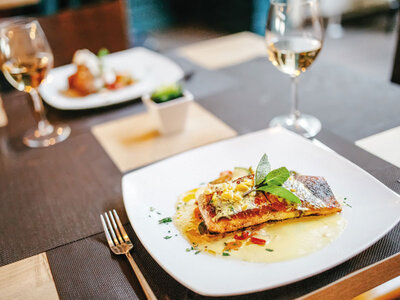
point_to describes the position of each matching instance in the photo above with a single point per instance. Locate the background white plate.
(375, 210)
(150, 68)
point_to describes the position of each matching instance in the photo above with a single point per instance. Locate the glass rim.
(18, 22)
(301, 2)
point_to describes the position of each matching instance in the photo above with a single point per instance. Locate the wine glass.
(27, 60)
(294, 34)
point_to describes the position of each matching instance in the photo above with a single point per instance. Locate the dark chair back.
(396, 65)
(92, 27)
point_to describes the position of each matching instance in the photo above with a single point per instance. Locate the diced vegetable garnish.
(242, 236)
(257, 241)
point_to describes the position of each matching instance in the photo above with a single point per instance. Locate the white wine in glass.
(27, 58)
(29, 74)
(294, 38)
(293, 55)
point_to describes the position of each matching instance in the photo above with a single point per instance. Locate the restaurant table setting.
(117, 160)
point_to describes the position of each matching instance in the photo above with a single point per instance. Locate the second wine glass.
(294, 36)
(27, 60)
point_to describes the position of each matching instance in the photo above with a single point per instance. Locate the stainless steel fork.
(120, 243)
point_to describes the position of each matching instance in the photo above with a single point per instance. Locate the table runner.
(248, 106)
(79, 278)
(251, 96)
(348, 104)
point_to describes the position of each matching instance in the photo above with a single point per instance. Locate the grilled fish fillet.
(224, 208)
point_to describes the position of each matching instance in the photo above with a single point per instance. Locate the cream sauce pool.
(284, 240)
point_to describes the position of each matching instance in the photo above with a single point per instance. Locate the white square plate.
(375, 210)
(149, 68)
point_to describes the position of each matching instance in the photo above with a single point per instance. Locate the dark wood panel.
(92, 27)
(360, 282)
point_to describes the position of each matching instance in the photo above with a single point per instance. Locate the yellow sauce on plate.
(285, 240)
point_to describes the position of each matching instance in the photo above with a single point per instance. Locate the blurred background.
(361, 34)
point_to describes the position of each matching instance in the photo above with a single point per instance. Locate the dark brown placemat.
(51, 196)
(54, 209)
(348, 104)
(78, 268)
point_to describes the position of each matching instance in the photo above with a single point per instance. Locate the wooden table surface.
(8, 4)
(31, 278)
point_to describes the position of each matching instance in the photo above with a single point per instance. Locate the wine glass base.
(34, 139)
(306, 125)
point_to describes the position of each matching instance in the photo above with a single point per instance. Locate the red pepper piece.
(243, 236)
(257, 241)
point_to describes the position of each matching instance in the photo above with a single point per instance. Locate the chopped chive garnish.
(345, 203)
(152, 209)
(167, 237)
(188, 249)
(225, 254)
(197, 252)
(158, 213)
(269, 250)
(165, 220)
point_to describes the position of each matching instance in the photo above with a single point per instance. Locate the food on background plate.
(93, 76)
(167, 92)
(237, 214)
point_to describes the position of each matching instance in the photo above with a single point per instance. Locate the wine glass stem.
(44, 126)
(295, 100)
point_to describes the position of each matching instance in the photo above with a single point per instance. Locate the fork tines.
(118, 233)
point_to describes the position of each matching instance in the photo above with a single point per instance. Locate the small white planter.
(171, 116)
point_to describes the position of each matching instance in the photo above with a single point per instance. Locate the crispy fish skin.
(314, 192)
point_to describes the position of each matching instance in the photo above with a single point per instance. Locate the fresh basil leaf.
(277, 176)
(263, 168)
(280, 192)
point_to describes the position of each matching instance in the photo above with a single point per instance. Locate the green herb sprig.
(167, 92)
(271, 181)
(102, 52)
(165, 220)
